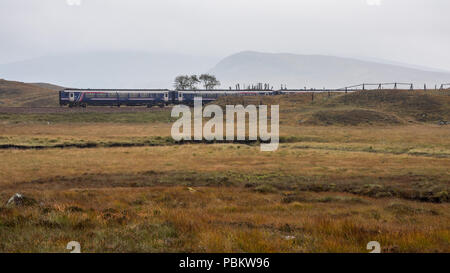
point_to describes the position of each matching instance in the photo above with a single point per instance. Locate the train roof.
(87, 90)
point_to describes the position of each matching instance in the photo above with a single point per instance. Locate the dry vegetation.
(28, 95)
(332, 186)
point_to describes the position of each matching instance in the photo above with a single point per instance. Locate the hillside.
(27, 95)
(48, 86)
(429, 106)
(387, 107)
(316, 71)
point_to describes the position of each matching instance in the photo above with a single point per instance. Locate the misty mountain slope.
(115, 69)
(315, 71)
(25, 94)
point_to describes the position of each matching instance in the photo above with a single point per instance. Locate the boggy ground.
(328, 188)
(224, 198)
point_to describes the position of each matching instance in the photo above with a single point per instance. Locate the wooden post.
(312, 96)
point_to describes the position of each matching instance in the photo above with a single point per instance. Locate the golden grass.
(18, 165)
(333, 188)
(90, 195)
(174, 219)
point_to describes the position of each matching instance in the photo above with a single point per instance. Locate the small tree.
(182, 82)
(193, 81)
(209, 81)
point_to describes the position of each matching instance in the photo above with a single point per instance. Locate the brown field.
(332, 186)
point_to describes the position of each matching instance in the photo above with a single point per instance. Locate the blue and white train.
(114, 97)
(146, 97)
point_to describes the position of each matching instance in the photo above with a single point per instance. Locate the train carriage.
(187, 97)
(114, 97)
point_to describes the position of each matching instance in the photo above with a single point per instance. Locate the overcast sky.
(410, 31)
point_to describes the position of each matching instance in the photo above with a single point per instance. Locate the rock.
(20, 200)
(289, 237)
(443, 122)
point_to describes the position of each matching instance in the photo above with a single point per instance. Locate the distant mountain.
(316, 71)
(129, 69)
(117, 69)
(27, 94)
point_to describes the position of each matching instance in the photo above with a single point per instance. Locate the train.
(147, 97)
(160, 97)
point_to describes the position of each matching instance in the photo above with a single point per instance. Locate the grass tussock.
(176, 219)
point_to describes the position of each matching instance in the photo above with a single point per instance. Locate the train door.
(166, 96)
(180, 96)
(173, 96)
(71, 97)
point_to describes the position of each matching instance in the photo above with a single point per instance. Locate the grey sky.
(410, 31)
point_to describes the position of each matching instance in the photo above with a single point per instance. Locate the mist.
(39, 37)
(410, 31)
